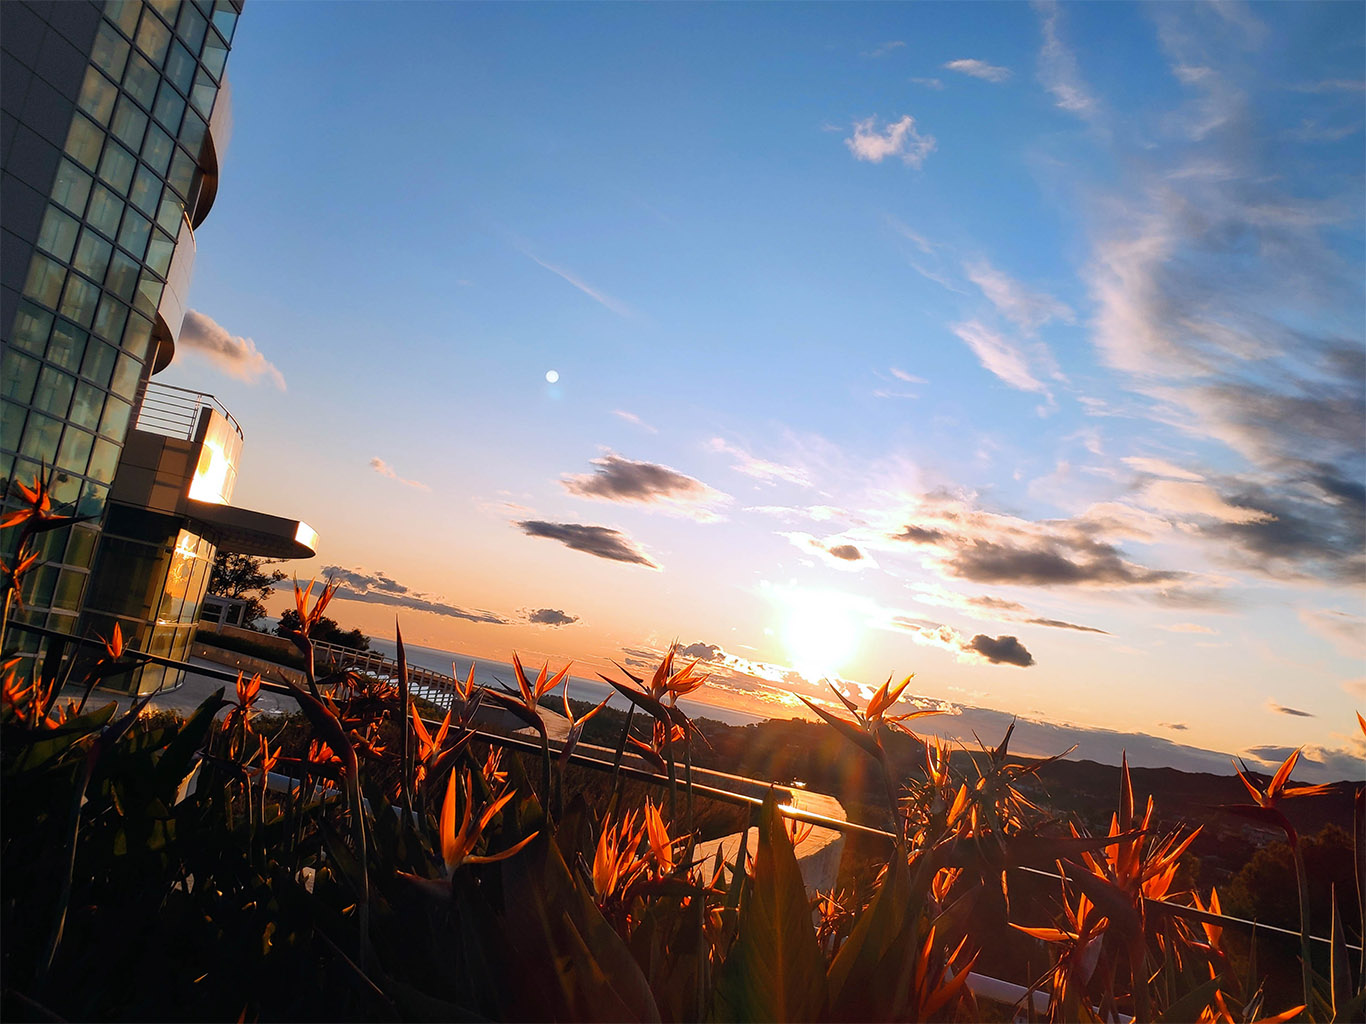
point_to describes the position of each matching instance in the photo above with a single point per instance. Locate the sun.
(821, 633)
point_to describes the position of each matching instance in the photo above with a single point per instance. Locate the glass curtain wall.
(82, 341)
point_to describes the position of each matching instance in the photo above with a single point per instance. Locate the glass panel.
(58, 234)
(116, 169)
(170, 105)
(224, 18)
(134, 233)
(215, 54)
(192, 132)
(182, 173)
(110, 51)
(137, 339)
(180, 67)
(123, 276)
(129, 124)
(92, 500)
(86, 406)
(159, 254)
(11, 427)
(66, 487)
(97, 95)
(126, 373)
(157, 149)
(114, 423)
(166, 8)
(31, 325)
(104, 459)
(153, 38)
(203, 93)
(141, 80)
(146, 191)
(67, 347)
(79, 300)
(18, 374)
(75, 451)
(92, 255)
(72, 187)
(191, 26)
(44, 281)
(171, 214)
(38, 593)
(41, 435)
(98, 365)
(110, 318)
(81, 546)
(53, 394)
(83, 142)
(148, 297)
(68, 593)
(105, 211)
(124, 14)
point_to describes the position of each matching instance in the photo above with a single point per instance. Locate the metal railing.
(174, 412)
(583, 755)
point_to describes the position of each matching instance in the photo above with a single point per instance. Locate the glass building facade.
(112, 118)
(108, 165)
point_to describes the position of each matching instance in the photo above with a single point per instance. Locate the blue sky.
(889, 338)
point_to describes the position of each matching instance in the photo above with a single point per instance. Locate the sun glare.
(822, 633)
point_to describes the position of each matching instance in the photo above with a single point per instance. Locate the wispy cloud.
(384, 469)
(1060, 624)
(897, 139)
(884, 49)
(1159, 467)
(379, 588)
(1281, 709)
(930, 83)
(600, 541)
(999, 355)
(1188, 627)
(1346, 631)
(760, 469)
(1058, 70)
(646, 483)
(232, 354)
(1026, 309)
(631, 417)
(978, 69)
(600, 297)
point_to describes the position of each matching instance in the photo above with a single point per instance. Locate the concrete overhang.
(254, 533)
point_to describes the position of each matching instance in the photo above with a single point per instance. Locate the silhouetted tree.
(325, 631)
(246, 578)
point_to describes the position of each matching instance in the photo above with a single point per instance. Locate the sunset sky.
(1020, 347)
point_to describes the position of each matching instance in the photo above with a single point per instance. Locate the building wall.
(109, 161)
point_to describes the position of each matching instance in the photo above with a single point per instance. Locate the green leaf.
(859, 987)
(1188, 1007)
(775, 971)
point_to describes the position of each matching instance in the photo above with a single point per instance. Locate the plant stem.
(1306, 963)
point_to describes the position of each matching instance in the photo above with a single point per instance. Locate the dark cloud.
(846, 551)
(1178, 726)
(1050, 561)
(1314, 526)
(1059, 624)
(378, 588)
(606, 543)
(1001, 650)
(1273, 754)
(550, 617)
(701, 652)
(919, 535)
(1281, 709)
(618, 479)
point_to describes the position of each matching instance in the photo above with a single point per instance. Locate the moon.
(552, 376)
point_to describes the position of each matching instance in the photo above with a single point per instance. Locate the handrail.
(174, 411)
(579, 756)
